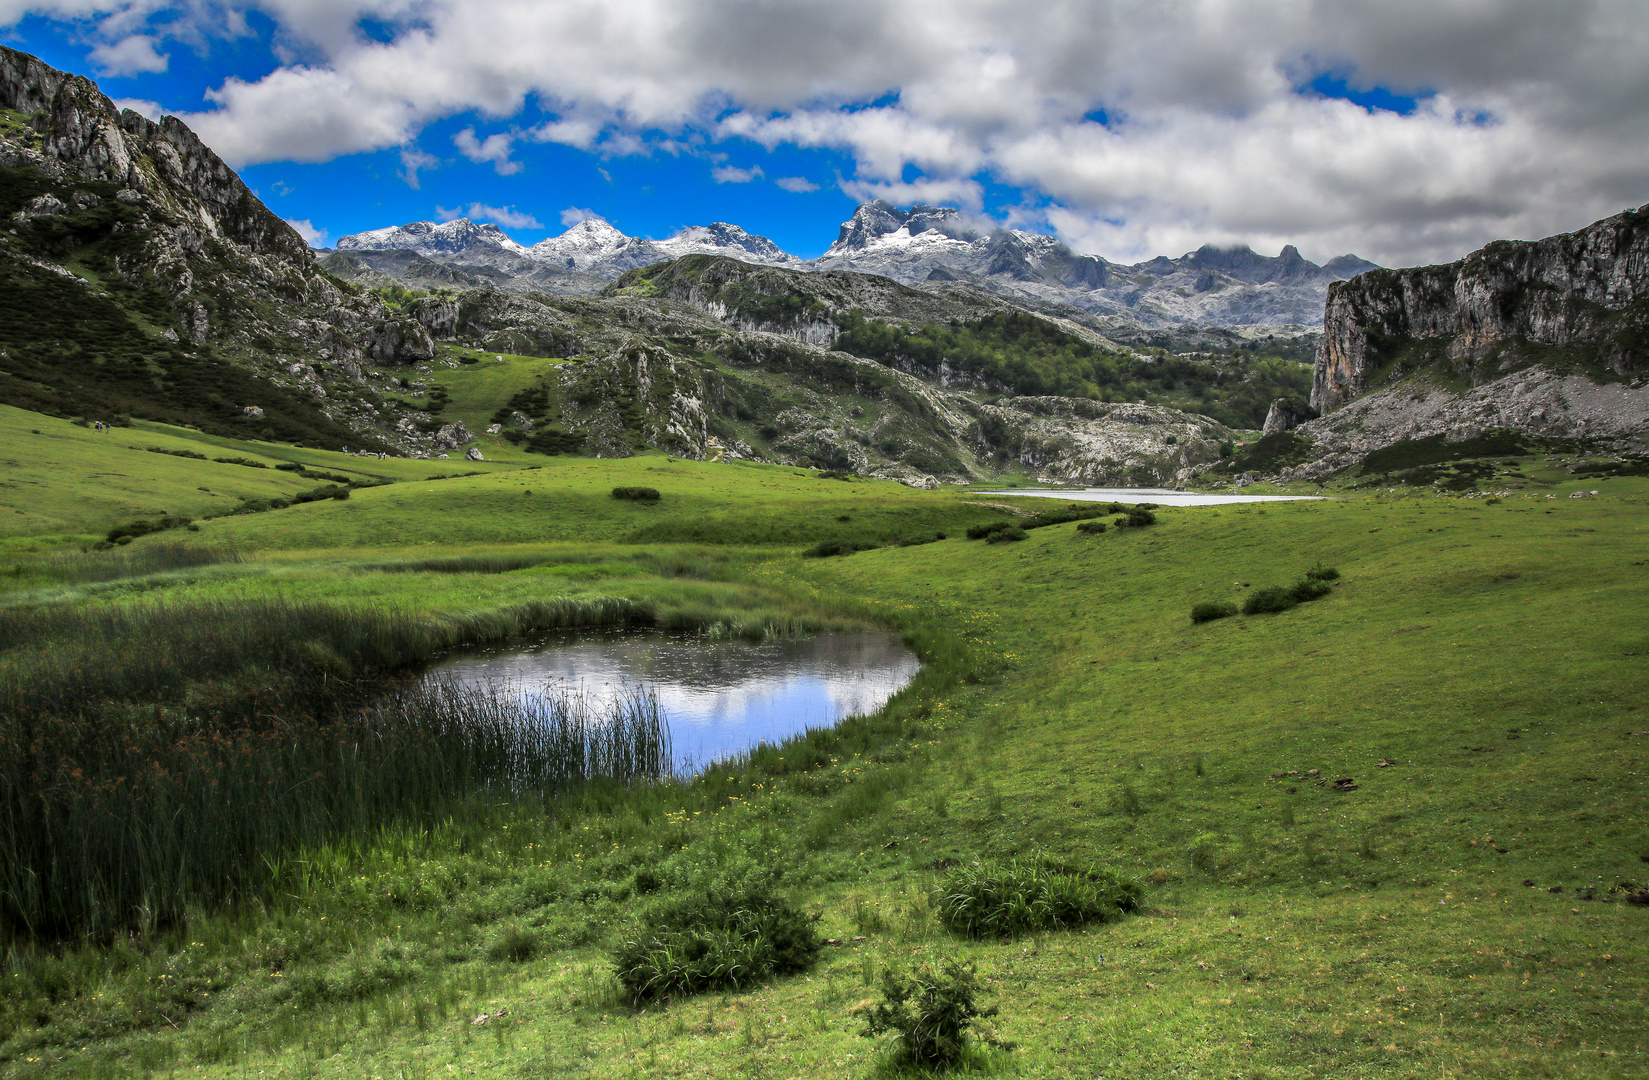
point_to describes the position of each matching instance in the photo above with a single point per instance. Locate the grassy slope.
(1379, 932)
(570, 499)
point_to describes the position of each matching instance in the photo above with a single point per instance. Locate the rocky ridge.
(928, 247)
(1542, 337)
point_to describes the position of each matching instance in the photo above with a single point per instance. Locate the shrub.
(716, 939)
(637, 494)
(918, 540)
(1322, 573)
(1031, 895)
(980, 532)
(1138, 517)
(1308, 589)
(1269, 599)
(1092, 528)
(825, 549)
(931, 1010)
(1210, 610)
(1012, 534)
(143, 527)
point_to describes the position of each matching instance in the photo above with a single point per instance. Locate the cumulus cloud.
(1141, 126)
(506, 216)
(130, 56)
(799, 185)
(494, 148)
(311, 235)
(574, 214)
(141, 106)
(732, 174)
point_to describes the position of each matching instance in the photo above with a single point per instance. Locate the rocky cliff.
(1578, 301)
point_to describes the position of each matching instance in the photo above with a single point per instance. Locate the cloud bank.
(1135, 127)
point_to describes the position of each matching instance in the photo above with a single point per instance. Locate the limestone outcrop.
(1578, 302)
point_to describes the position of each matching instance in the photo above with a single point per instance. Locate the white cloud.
(413, 162)
(311, 235)
(506, 216)
(574, 214)
(730, 174)
(141, 106)
(130, 56)
(1209, 137)
(799, 185)
(494, 148)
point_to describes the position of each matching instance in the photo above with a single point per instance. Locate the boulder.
(452, 436)
(401, 341)
(1286, 414)
(253, 411)
(473, 454)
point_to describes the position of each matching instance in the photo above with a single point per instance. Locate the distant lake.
(719, 697)
(1160, 496)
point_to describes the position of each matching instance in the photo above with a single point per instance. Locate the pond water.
(1160, 496)
(718, 697)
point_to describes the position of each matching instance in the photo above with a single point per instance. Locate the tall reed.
(135, 814)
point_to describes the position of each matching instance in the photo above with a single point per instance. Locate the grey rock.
(253, 411)
(401, 341)
(473, 454)
(1490, 312)
(494, 429)
(41, 206)
(453, 435)
(1286, 414)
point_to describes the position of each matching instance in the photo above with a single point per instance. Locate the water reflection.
(1160, 496)
(720, 697)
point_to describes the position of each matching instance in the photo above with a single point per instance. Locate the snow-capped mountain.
(925, 246)
(459, 237)
(720, 238)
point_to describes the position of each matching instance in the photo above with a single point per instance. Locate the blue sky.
(1404, 132)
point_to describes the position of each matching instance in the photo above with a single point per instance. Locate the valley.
(1342, 786)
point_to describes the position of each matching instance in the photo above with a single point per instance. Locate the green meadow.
(1396, 831)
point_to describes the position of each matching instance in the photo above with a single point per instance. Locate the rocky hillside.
(142, 278)
(928, 247)
(1547, 338)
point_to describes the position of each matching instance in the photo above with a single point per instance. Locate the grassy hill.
(1461, 910)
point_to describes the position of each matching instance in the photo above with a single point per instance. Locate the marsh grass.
(134, 815)
(123, 562)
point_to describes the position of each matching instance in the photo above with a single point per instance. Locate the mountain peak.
(459, 236)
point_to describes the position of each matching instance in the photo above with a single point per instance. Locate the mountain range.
(926, 246)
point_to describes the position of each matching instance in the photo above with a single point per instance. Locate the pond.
(1160, 496)
(719, 698)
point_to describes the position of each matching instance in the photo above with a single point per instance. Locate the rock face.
(1577, 298)
(1286, 414)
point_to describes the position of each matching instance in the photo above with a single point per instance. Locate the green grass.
(1069, 710)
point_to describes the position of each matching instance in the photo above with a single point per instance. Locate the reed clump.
(136, 814)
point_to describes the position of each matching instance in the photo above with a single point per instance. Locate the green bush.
(1308, 589)
(1322, 573)
(1138, 517)
(1210, 610)
(715, 939)
(1032, 894)
(637, 494)
(990, 528)
(1092, 528)
(1269, 599)
(143, 527)
(930, 1010)
(1012, 534)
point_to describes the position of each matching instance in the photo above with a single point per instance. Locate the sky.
(1404, 131)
